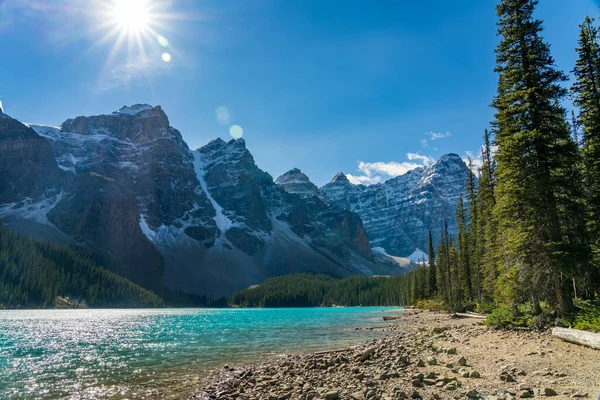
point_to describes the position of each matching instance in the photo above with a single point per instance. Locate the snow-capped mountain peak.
(340, 177)
(133, 110)
(295, 181)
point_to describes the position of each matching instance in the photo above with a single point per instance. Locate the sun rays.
(135, 26)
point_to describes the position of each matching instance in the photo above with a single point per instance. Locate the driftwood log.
(468, 315)
(386, 318)
(576, 336)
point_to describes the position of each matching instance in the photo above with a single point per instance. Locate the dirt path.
(426, 355)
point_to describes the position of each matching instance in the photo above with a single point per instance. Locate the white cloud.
(426, 160)
(438, 135)
(476, 161)
(375, 172)
(424, 143)
(363, 179)
(392, 168)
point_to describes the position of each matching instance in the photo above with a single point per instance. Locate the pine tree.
(535, 194)
(464, 253)
(485, 228)
(473, 216)
(444, 267)
(457, 292)
(442, 275)
(432, 269)
(586, 92)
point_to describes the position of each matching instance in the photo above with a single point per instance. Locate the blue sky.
(322, 85)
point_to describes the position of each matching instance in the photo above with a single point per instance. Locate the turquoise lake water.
(118, 354)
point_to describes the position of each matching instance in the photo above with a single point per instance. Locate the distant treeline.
(33, 273)
(315, 290)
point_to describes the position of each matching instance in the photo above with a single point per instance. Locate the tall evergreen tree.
(586, 92)
(442, 274)
(463, 274)
(485, 229)
(536, 195)
(444, 267)
(432, 269)
(473, 215)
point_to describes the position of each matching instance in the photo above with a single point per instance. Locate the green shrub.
(588, 318)
(431, 304)
(485, 307)
(504, 318)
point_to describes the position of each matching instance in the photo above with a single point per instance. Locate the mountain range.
(208, 221)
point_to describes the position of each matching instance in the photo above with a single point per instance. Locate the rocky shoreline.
(424, 355)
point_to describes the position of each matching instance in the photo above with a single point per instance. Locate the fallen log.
(392, 318)
(468, 315)
(577, 336)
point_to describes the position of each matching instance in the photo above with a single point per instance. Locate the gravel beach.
(425, 355)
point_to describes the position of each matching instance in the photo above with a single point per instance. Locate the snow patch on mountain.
(30, 209)
(149, 233)
(419, 256)
(133, 110)
(222, 221)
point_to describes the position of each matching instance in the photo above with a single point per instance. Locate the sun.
(132, 16)
(136, 29)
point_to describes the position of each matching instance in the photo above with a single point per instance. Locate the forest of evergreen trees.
(33, 273)
(528, 244)
(320, 290)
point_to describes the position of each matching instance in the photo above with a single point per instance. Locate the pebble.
(333, 395)
(417, 383)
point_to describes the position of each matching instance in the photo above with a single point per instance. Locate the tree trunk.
(564, 292)
(536, 304)
(576, 336)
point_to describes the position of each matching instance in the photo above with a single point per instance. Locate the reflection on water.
(90, 354)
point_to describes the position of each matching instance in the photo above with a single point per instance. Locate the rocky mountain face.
(27, 164)
(295, 181)
(208, 221)
(398, 213)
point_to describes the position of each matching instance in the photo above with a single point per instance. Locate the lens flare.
(166, 57)
(162, 41)
(223, 116)
(236, 131)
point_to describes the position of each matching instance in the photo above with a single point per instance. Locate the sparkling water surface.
(158, 353)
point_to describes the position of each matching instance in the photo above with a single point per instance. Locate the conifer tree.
(536, 197)
(473, 216)
(432, 269)
(442, 275)
(463, 274)
(586, 92)
(485, 228)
